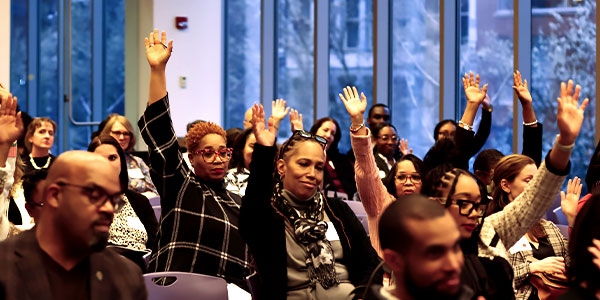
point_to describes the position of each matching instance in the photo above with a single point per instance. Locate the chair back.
(360, 213)
(157, 210)
(560, 216)
(154, 201)
(183, 286)
(564, 229)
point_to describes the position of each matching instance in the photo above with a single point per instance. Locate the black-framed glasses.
(414, 177)
(307, 135)
(210, 155)
(98, 196)
(466, 207)
(119, 133)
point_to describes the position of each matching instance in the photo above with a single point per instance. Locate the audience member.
(199, 219)
(404, 178)
(134, 227)
(385, 151)
(237, 175)
(140, 181)
(378, 114)
(484, 165)
(420, 243)
(39, 139)
(33, 184)
(304, 245)
(64, 256)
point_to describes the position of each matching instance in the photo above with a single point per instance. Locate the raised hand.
(403, 146)
(4, 92)
(568, 201)
(278, 111)
(11, 124)
(157, 50)
(521, 89)
(355, 105)
(474, 94)
(595, 251)
(296, 120)
(264, 135)
(569, 116)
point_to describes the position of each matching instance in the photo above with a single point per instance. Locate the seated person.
(39, 139)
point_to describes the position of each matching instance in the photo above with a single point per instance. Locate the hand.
(403, 146)
(264, 135)
(595, 251)
(354, 105)
(278, 111)
(549, 265)
(569, 117)
(4, 93)
(11, 124)
(568, 201)
(487, 102)
(296, 120)
(156, 53)
(521, 89)
(474, 95)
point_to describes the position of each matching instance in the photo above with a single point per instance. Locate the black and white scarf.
(309, 229)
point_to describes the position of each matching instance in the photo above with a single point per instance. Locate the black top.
(142, 208)
(264, 231)
(71, 284)
(39, 162)
(543, 250)
(198, 231)
(343, 170)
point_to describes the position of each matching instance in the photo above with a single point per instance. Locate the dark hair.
(26, 121)
(392, 230)
(444, 151)
(231, 134)
(336, 137)
(585, 229)
(487, 159)
(507, 168)
(444, 178)
(377, 128)
(439, 125)
(592, 176)
(374, 106)
(390, 180)
(105, 139)
(30, 182)
(237, 157)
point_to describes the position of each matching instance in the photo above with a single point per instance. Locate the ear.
(505, 185)
(51, 198)
(395, 260)
(281, 167)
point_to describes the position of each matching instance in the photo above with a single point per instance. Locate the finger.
(563, 196)
(355, 91)
(570, 186)
(146, 42)
(346, 93)
(300, 117)
(342, 97)
(19, 121)
(163, 37)
(515, 78)
(465, 83)
(594, 251)
(477, 80)
(287, 109)
(579, 187)
(471, 78)
(596, 243)
(12, 105)
(170, 46)
(576, 95)
(584, 104)
(151, 38)
(363, 97)
(484, 90)
(3, 106)
(525, 84)
(570, 88)
(563, 90)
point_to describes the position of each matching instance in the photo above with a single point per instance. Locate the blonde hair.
(33, 126)
(111, 120)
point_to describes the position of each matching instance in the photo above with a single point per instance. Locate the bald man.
(64, 255)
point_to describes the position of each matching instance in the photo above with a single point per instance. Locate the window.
(415, 56)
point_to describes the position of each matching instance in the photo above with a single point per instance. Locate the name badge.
(331, 234)
(135, 173)
(521, 245)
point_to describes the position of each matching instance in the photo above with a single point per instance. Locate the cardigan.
(198, 229)
(521, 260)
(263, 230)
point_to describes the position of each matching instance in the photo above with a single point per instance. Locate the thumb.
(562, 196)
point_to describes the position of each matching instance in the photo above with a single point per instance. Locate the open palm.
(11, 124)
(156, 53)
(474, 94)
(570, 116)
(355, 104)
(264, 135)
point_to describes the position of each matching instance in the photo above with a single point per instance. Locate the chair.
(186, 286)
(564, 229)
(560, 216)
(154, 201)
(157, 210)
(360, 213)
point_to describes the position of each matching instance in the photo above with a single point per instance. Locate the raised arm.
(475, 97)
(158, 54)
(278, 112)
(296, 120)
(265, 135)
(522, 92)
(532, 130)
(569, 200)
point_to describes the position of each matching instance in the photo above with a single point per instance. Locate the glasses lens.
(208, 155)
(225, 154)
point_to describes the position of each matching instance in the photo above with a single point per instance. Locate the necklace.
(35, 166)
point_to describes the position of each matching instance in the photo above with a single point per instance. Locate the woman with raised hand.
(199, 219)
(237, 175)
(532, 129)
(404, 178)
(304, 245)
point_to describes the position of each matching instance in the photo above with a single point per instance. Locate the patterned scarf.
(309, 229)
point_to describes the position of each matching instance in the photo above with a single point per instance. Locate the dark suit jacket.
(22, 277)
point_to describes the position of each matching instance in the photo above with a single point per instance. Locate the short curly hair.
(196, 133)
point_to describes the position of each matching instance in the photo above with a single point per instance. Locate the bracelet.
(356, 128)
(563, 148)
(530, 124)
(465, 125)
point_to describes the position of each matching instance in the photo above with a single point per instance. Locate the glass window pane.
(294, 70)
(415, 71)
(486, 47)
(564, 47)
(114, 60)
(242, 59)
(350, 56)
(18, 51)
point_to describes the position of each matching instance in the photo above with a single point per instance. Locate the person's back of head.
(484, 164)
(586, 229)
(592, 176)
(33, 191)
(232, 134)
(444, 151)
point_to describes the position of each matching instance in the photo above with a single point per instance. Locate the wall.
(5, 49)
(197, 55)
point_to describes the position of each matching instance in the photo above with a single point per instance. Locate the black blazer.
(111, 275)
(263, 229)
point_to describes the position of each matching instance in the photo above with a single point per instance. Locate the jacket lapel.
(99, 287)
(28, 260)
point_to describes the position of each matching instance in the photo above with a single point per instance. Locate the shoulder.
(116, 265)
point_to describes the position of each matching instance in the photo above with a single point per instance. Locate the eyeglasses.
(415, 178)
(98, 196)
(119, 133)
(466, 207)
(209, 155)
(386, 138)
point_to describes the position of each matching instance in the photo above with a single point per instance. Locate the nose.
(454, 261)
(107, 207)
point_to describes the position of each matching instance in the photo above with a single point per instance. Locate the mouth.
(309, 185)
(454, 281)
(217, 171)
(469, 227)
(102, 226)
(409, 191)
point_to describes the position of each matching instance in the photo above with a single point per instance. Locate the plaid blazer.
(198, 229)
(521, 260)
(23, 276)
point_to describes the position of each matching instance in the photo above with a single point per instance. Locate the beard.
(99, 241)
(427, 292)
